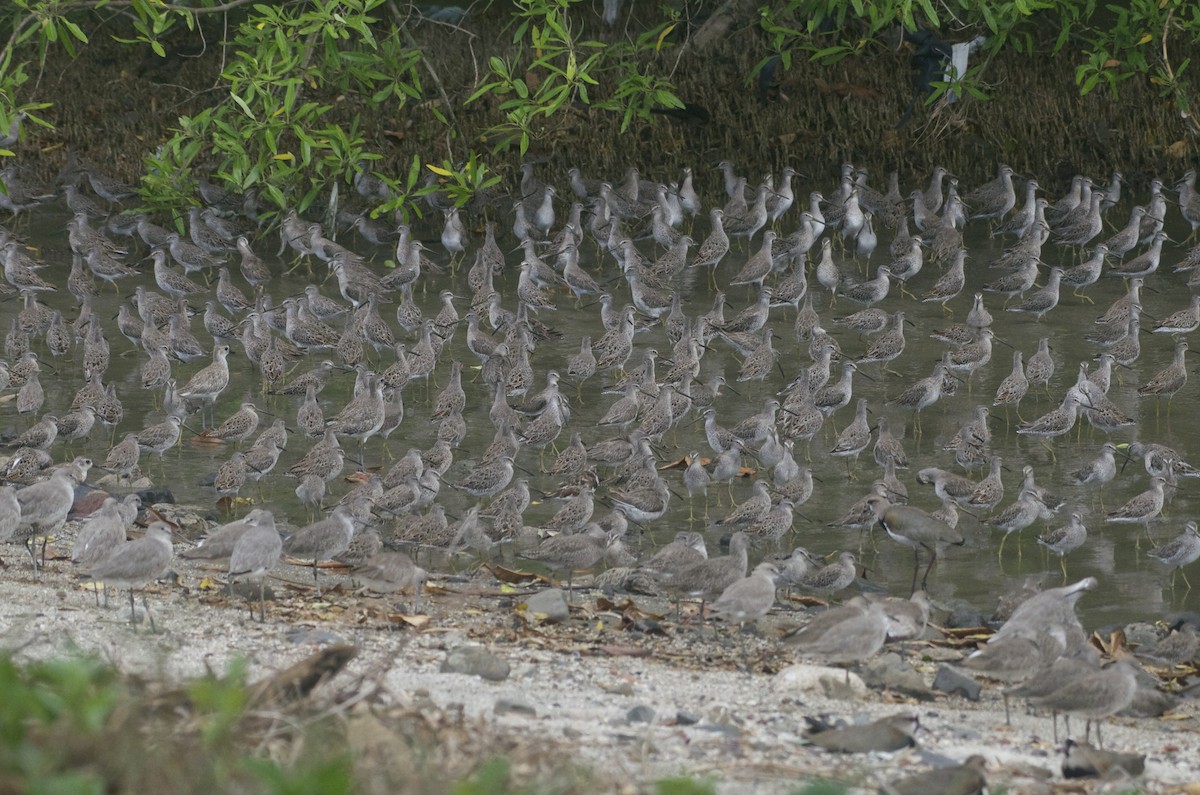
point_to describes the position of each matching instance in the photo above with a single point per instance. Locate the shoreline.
(578, 687)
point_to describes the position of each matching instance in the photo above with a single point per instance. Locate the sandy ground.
(720, 708)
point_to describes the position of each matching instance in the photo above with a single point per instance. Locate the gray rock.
(831, 682)
(963, 614)
(685, 718)
(726, 730)
(120, 483)
(191, 520)
(890, 672)
(507, 706)
(548, 605)
(640, 714)
(475, 661)
(941, 654)
(948, 680)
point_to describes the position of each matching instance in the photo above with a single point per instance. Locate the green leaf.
(74, 30)
(414, 172)
(241, 103)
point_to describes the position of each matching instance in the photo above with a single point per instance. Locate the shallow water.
(1132, 586)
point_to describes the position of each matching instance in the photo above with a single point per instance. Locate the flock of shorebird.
(519, 404)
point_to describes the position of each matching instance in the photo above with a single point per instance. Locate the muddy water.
(1132, 585)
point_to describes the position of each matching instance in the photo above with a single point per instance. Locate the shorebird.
(571, 552)
(100, 533)
(44, 506)
(1095, 696)
(708, 578)
(922, 394)
(1143, 508)
(255, 552)
(240, 425)
(388, 572)
(206, 385)
(1179, 552)
(844, 635)
(1062, 541)
(917, 529)
(133, 564)
(322, 540)
(886, 735)
(1016, 517)
(750, 598)
(1168, 381)
(832, 578)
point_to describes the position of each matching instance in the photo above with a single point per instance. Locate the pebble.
(153, 495)
(963, 614)
(508, 706)
(118, 483)
(640, 714)
(948, 680)
(890, 672)
(191, 520)
(821, 679)
(549, 606)
(476, 661)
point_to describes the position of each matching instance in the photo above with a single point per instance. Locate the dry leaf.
(683, 463)
(1178, 149)
(416, 622)
(504, 574)
(625, 651)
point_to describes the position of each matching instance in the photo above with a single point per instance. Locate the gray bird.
(255, 553)
(965, 779)
(885, 735)
(322, 540)
(750, 598)
(133, 564)
(102, 532)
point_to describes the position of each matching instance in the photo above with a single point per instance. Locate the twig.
(1188, 119)
(437, 81)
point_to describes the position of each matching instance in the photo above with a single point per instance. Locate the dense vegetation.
(296, 78)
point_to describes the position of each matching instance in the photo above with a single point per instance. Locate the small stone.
(640, 714)
(948, 680)
(549, 605)
(122, 485)
(475, 661)
(890, 672)
(685, 718)
(941, 654)
(190, 519)
(619, 689)
(822, 679)
(154, 496)
(507, 706)
(963, 614)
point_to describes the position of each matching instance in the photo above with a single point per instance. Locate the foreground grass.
(79, 726)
